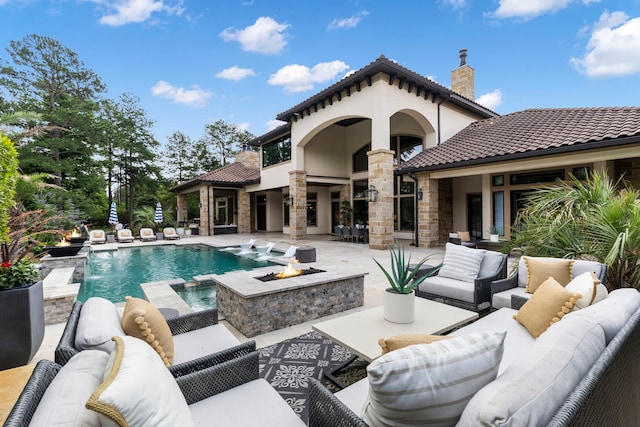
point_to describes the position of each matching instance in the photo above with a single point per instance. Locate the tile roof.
(531, 133)
(232, 175)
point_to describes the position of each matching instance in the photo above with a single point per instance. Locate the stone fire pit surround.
(255, 307)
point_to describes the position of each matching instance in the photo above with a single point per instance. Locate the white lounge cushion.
(490, 263)
(613, 312)
(461, 263)
(201, 342)
(532, 389)
(431, 382)
(63, 402)
(138, 390)
(449, 288)
(99, 320)
(517, 342)
(255, 403)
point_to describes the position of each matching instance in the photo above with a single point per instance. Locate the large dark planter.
(21, 324)
(77, 239)
(69, 250)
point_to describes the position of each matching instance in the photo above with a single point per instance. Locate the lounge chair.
(265, 249)
(125, 235)
(147, 234)
(290, 253)
(170, 233)
(243, 246)
(97, 236)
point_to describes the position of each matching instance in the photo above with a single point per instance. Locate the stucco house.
(413, 159)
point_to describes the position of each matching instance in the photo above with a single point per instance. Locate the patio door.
(474, 216)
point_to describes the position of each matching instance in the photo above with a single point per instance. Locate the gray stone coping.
(245, 284)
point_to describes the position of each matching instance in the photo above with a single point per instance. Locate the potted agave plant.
(399, 299)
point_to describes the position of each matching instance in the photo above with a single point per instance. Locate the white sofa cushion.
(461, 263)
(428, 382)
(63, 402)
(201, 342)
(99, 320)
(517, 342)
(503, 299)
(255, 403)
(613, 312)
(490, 263)
(138, 389)
(532, 389)
(447, 287)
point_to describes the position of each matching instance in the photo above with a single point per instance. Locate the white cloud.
(235, 73)
(123, 12)
(530, 9)
(613, 49)
(350, 22)
(491, 100)
(266, 36)
(243, 126)
(300, 78)
(195, 97)
(455, 4)
(272, 124)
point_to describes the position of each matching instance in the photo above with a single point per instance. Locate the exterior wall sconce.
(420, 194)
(371, 194)
(288, 200)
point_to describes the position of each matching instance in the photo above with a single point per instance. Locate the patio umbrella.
(158, 217)
(113, 214)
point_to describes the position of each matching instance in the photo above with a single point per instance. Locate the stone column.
(206, 208)
(182, 208)
(244, 211)
(428, 217)
(381, 211)
(298, 212)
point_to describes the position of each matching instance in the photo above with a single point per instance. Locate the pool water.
(198, 297)
(116, 274)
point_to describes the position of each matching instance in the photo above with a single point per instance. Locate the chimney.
(250, 159)
(462, 78)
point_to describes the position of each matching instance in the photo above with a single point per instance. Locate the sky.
(192, 62)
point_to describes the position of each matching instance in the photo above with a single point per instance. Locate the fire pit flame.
(63, 242)
(289, 271)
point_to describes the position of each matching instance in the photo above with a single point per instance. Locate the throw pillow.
(464, 236)
(545, 307)
(138, 390)
(426, 382)
(540, 269)
(401, 341)
(142, 320)
(586, 284)
(461, 263)
(99, 320)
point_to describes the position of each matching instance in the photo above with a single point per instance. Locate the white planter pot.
(399, 308)
(494, 237)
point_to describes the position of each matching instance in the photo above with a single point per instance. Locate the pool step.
(161, 294)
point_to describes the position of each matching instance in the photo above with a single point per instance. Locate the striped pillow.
(431, 383)
(461, 263)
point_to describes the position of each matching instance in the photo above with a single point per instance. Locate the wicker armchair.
(66, 348)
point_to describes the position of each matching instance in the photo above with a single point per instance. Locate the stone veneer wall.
(269, 312)
(78, 262)
(57, 309)
(298, 212)
(445, 209)
(244, 211)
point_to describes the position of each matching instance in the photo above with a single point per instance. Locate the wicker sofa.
(197, 336)
(605, 391)
(227, 393)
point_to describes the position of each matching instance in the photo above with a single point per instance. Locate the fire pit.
(64, 248)
(75, 237)
(288, 273)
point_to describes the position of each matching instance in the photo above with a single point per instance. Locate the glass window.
(276, 152)
(361, 160)
(359, 189)
(497, 180)
(498, 211)
(312, 209)
(536, 177)
(581, 173)
(406, 187)
(406, 220)
(405, 147)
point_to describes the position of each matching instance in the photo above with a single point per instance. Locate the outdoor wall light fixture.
(288, 200)
(420, 194)
(371, 194)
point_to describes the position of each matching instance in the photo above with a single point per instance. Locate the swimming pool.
(116, 274)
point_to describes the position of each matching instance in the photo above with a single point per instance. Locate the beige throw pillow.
(142, 320)
(464, 236)
(540, 269)
(400, 341)
(545, 307)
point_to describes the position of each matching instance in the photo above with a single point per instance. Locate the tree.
(178, 158)
(8, 180)
(222, 141)
(592, 219)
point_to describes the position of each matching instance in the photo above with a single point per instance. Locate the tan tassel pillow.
(142, 320)
(400, 341)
